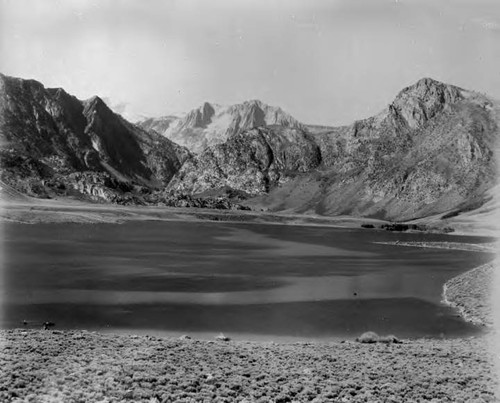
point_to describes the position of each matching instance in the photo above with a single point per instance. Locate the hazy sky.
(325, 62)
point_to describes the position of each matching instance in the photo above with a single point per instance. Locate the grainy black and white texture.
(79, 366)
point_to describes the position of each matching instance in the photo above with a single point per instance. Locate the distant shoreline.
(38, 211)
(55, 211)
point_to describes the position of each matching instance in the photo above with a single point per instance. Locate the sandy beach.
(470, 293)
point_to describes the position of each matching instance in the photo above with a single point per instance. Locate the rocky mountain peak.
(212, 124)
(96, 106)
(421, 101)
(252, 115)
(51, 143)
(427, 82)
(429, 88)
(59, 93)
(200, 117)
(19, 88)
(95, 103)
(207, 108)
(255, 102)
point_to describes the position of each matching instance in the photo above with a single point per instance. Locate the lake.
(246, 280)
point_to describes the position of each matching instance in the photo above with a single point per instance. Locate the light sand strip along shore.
(79, 366)
(471, 247)
(470, 293)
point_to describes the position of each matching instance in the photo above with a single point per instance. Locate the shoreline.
(36, 211)
(53, 211)
(81, 366)
(470, 294)
(78, 365)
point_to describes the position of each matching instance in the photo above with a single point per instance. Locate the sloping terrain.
(52, 144)
(254, 161)
(428, 152)
(431, 152)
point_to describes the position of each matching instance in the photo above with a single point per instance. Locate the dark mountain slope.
(52, 143)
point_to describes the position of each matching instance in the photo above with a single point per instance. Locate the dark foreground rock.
(79, 366)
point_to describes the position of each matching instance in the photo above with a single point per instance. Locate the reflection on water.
(260, 279)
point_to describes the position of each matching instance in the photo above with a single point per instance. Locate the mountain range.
(52, 144)
(431, 151)
(213, 124)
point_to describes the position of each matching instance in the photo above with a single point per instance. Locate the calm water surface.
(246, 279)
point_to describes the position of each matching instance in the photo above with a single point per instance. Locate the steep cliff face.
(46, 135)
(428, 152)
(210, 125)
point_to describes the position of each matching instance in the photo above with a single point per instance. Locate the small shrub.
(222, 337)
(372, 337)
(368, 337)
(389, 339)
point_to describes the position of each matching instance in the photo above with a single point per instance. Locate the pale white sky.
(325, 62)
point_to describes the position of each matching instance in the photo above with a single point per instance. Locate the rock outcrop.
(254, 161)
(428, 152)
(211, 125)
(51, 143)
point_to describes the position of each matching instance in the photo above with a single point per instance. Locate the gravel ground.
(79, 366)
(471, 294)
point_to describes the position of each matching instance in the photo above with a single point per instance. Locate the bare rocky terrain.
(431, 152)
(55, 145)
(213, 124)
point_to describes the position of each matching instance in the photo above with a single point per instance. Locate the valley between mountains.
(429, 155)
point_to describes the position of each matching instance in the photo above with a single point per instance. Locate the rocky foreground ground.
(79, 366)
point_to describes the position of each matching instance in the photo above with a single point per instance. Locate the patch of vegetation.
(372, 337)
(404, 227)
(450, 214)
